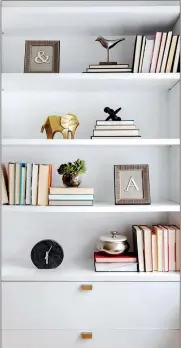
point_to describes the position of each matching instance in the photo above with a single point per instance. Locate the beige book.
(172, 248)
(23, 186)
(161, 52)
(11, 182)
(177, 229)
(4, 191)
(71, 191)
(147, 248)
(171, 54)
(115, 127)
(34, 184)
(43, 183)
(160, 250)
(17, 183)
(74, 203)
(154, 252)
(165, 248)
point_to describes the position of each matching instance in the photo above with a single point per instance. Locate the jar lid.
(116, 238)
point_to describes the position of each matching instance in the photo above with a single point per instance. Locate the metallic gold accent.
(63, 124)
(86, 287)
(86, 335)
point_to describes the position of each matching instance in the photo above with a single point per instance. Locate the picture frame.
(42, 56)
(131, 184)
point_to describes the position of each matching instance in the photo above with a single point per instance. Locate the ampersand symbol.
(41, 58)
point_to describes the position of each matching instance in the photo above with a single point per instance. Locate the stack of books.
(158, 55)
(108, 68)
(157, 248)
(115, 129)
(71, 196)
(29, 183)
(115, 263)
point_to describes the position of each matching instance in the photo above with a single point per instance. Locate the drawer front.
(106, 339)
(107, 305)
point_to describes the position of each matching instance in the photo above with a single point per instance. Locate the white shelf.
(96, 208)
(94, 81)
(88, 18)
(82, 271)
(90, 142)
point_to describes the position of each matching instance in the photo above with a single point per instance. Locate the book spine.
(28, 183)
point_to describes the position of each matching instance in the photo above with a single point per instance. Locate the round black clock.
(47, 254)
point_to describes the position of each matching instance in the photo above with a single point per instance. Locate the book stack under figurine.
(115, 263)
(157, 248)
(159, 54)
(71, 196)
(108, 68)
(115, 129)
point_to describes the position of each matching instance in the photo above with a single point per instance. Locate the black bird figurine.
(108, 44)
(112, 114)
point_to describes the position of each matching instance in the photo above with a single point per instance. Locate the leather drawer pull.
(86, 287)
(86, 335)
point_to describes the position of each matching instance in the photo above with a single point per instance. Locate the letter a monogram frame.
(132, 184)
(42, 57)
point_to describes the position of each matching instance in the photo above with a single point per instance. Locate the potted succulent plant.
(71, 173)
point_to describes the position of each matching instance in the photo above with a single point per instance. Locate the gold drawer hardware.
(86, 287)
(86, 335)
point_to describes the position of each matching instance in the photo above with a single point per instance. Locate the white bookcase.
(46, 309)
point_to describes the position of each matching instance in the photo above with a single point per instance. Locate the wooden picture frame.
(45, 60)
(131, 184)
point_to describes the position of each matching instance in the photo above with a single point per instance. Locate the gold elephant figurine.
(63, 124)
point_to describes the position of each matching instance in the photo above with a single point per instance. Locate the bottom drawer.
(106, 339)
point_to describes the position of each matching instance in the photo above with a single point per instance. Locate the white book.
(11, 182)
(171, 53)
(147, 248)
(142, 54)
(147, 56)
(177, 55)
(137, 53)
(34, 184)
(22, 184)
(154, 252)
(177, 229)
(17, 183)
(165, 248)
(172, 248)
(139, 246)
(116, 267)
(161, 53)
(159, 234)
(116, 133)
(156, 50)
(166, 52)
(73, 197)
(114, 123)
(109, 127)
(28, 183)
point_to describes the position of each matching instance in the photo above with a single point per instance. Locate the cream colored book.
(161, 52)
(165, 248)
(166, 52)
(4, 191)
(22, 184)
(154, 252)
(34, 189)
(71, 191)
(159, 234)
(17, 183)
(171, 54)
(172, 248)
(11, 182)
(177, 55)
(177, 230)
(73, 203)
(43, 183)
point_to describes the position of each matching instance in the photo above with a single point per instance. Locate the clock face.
(47, 254)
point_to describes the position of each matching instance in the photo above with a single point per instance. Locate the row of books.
(158, 55)
(157, 248)
(71, 196)
(26, 183)
(109, 68)
(115, 129)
